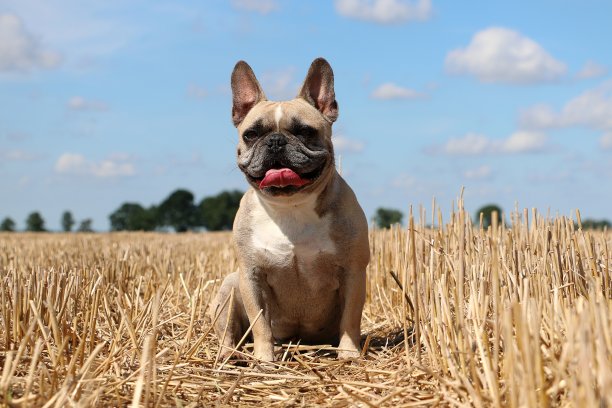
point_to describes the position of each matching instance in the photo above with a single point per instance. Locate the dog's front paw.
(264, 353)
(228, 353)
(349, 346)
(348, 354)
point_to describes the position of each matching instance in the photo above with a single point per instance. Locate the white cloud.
(540, 116)
(592, 69)
(592, 109)
(260, 6)
(111, 168)
(20, 51)
(347, 145)
(280, 84)
(70, 163)
(523, 142)
(77, 164)
(480, 173)
(606, 141)
(470, 144)
(82, 31)
(81, 104)
(475, 144)
(392, 91)
(195, 91)
(502, 55)
(385, 11)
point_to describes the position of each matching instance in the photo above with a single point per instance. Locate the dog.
(300, 235)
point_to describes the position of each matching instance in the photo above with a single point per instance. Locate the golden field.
(516, 315)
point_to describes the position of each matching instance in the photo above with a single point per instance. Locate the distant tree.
(218, 212)
(7, 225)
(133, 217)
(85, 225)
(178, 211)
(385, 217)
(487, 215)
(596, 224)
(35, 222)
(67, 221)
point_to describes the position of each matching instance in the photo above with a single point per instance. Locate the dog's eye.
(250, 135)
(306, 131)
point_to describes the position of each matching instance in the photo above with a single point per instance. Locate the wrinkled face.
(285, 147)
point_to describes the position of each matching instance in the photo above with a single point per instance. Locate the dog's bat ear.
(318, 89)
(246, 91)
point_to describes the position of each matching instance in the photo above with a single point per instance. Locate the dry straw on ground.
(516, 315)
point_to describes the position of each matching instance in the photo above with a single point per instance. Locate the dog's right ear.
(318, 89)
(246, 91)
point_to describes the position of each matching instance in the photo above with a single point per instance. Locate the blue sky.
(104, 102)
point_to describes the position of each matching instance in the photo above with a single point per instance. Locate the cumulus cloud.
(20, 51)
(385, 11)
(259, 6)
(390, 90)
(591, 109)
(475, 144)
(480, 173)
(523, 142)
(592, 69)
(540, 116)
(470, 144)
(346, 145)
(499, 54)
(280, 84)
(77, 164)
(83, 31)
(78, 103)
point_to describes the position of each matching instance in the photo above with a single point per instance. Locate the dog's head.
(285, 147)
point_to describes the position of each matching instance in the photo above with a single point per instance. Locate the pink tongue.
(281, 178)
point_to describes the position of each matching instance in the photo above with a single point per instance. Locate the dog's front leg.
(353, 293)
(256, 297)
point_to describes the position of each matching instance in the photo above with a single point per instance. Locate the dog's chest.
(291, 238)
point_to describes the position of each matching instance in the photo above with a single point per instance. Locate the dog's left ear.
(246, 92)
(318, 89)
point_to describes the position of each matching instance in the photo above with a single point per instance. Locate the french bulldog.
(300, 235)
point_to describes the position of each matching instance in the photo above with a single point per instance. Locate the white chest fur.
(292, 233)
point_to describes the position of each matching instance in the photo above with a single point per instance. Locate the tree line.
(490, 212)
(179, 212)
(36, 223)
(386, 217)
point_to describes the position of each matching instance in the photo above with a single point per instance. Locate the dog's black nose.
(276, 142)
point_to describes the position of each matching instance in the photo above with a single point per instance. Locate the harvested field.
(516, 315)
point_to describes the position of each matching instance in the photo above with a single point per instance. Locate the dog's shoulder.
(349, 227)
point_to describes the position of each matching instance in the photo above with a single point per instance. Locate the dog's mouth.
(285, 181)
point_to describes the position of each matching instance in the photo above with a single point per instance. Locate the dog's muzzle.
(276, 142)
